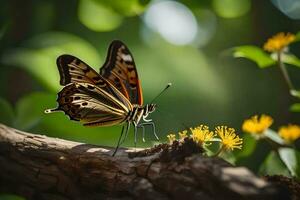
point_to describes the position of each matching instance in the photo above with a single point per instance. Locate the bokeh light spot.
(98, 17)
(231, 8)
(291, 8)
(173, 21)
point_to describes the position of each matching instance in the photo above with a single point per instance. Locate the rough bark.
(40, 167)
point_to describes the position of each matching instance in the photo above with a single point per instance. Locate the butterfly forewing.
(74, 70)
(119, 68)
(91, 105)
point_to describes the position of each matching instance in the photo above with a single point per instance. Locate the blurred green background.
(184, 42)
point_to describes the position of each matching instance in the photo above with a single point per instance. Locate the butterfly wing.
(74, 70)
(119, 68)
(90, 105)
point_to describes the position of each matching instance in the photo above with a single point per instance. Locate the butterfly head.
(149, 108)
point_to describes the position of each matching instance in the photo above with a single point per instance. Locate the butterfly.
(111, 97)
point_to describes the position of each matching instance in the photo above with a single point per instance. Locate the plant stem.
(284, 71)
(219, 151)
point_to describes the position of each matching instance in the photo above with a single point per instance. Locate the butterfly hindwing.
(119, 68)
(91, 105)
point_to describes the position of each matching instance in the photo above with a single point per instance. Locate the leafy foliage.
(255, 54)
(39, 56)
(97, 16)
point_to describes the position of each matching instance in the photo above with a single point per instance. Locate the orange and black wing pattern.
(73, 70)
(120, 70)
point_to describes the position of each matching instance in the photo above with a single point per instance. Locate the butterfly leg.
(135, 133)
(117, 147)
(143, 133)
(123, 139)
(126, 133)
(153, 127)
(154, 130)
(147, 120)
(143, 129)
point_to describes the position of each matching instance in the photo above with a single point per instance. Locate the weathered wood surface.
(40, 167)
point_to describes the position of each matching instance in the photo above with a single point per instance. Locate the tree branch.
(40, 167)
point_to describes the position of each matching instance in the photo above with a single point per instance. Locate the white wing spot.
(126, 57)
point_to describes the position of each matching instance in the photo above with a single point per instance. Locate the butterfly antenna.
(168, 85)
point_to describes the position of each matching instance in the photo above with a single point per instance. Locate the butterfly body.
(111, 97)
(141, 113)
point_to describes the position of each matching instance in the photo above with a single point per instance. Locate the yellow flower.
(171, 137)
(279, 41)
(290, 133)
(257, 125)
(201, 134)
(182, 135)
(229, 138)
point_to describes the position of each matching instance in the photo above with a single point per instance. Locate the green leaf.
(256, 54)
(295, 107)
(273, 165)
(272, 135)
(291, 158)
(291, 59)
(295, 93)
(36, 62)
(39, 58)
(103, 15)
(6, 112)
(30, 109)
(97, 16)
